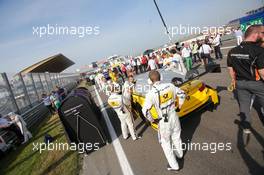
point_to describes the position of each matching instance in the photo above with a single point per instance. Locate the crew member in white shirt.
(151, 64)
(178, 61)
(239, 35)
(205, 51)
(216, 43)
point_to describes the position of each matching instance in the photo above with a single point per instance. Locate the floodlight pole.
(163, 22)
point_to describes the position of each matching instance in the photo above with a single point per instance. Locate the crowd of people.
(119, 98)
(179, 56)
(169, 126)
(245, 63)
(246, 68)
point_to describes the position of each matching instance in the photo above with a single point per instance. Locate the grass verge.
(24, 160)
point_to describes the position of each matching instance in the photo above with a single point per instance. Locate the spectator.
(7, 125)
(246, 68)
(47, 102)
(134, 65)
(216, 43)
(54, 97)
(194, 49)
(129, 69)
(177, 59)
(19, 121)
(107, 74)
(174, 58)
(178, 47)
(139, 66)
(160, 60)
(199, 43)
(182, 46)
(205, 51)
(124, 69)
(144, 62)
(221, 43)
(119, 69)
(156, 60)
(166, 60)
(207, 40)
(186, 54)
(164, 55)
(239, 35)
(90, 79)
(61, 92)
(152, 64)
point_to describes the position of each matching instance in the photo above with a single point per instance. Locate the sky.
(126, 27)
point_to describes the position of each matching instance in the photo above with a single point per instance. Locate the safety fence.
(19, 93)
(22, 95)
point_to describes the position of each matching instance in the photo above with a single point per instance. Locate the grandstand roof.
(53, 64)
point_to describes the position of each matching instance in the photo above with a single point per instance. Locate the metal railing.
(32, 117)
(22, 95)
(21, 92)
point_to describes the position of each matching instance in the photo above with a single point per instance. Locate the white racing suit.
(116, 102)
(163, 97)
(126, 91)
(98, 80)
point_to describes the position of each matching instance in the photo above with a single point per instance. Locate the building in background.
(252, 17)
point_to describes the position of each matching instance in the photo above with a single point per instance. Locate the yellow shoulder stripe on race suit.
(114, 104)
(165, 97)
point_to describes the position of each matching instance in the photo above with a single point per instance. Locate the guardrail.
(32, 117)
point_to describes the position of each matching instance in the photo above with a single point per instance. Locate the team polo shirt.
(241, 58)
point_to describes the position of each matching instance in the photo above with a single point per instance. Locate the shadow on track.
(253, 166)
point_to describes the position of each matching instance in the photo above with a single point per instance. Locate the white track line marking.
(228, 47)
(123, 161)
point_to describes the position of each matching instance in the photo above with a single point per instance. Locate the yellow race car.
(198, 95)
